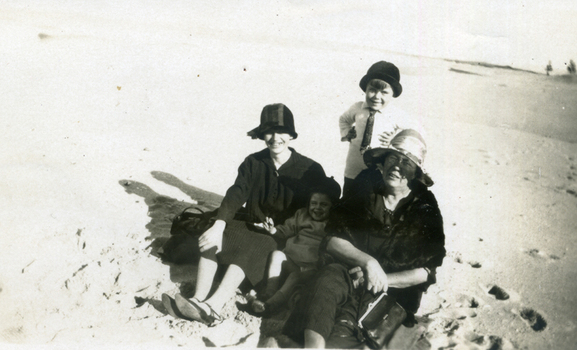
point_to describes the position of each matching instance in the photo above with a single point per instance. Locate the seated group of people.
(384, 235)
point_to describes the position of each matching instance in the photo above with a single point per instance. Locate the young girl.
(303, 232)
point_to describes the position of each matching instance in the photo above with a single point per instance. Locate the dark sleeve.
(238, 193)
(435, 239)
(421, 241)
(340, 225)
(349, 219)
(432, 235)
(426, 248)
(362, 189)
(433, 246)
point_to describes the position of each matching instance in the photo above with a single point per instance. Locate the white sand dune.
(112, 125)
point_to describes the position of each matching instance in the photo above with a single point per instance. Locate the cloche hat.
(385, 71)
(275, 117)
(407, 142)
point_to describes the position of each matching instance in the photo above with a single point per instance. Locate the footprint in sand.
(469, 301)
(499, 293)
(453, 313)
(536, 253)
(533, 318)
(464, 306)
(489, 159)
(458, 258)
(493, 342)
(474, 264)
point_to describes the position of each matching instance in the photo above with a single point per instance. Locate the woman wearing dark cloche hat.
(271, 183)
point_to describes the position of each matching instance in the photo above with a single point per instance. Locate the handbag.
(380, 321)
(192, 223)
(182, 246)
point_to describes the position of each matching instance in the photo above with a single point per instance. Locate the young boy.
(304, 232)
(373, 122)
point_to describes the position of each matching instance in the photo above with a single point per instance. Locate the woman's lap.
(249, 250)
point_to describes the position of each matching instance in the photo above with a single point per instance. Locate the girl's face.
(319, 207)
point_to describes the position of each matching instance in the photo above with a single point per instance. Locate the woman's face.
(276, 142)
(398, 170)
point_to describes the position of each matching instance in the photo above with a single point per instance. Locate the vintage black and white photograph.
(288, 174)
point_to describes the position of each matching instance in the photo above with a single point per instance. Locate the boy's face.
(319, 206)
(378, 94)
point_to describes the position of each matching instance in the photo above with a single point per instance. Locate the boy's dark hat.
(274, 117)
(385, 71)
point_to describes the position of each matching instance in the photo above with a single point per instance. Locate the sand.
(112, 125)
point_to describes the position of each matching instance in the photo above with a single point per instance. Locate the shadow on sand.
(161, 210)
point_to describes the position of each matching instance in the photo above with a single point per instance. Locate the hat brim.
(258, 133)
(397, 87)
(373, 156)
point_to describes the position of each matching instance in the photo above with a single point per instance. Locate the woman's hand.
(376, 278)
(212, 237)
(385, 138)
(267, 225)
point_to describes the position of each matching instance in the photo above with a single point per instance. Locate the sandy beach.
(112, 125)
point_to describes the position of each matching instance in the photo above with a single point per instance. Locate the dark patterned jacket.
(412, 237)
(268, 192)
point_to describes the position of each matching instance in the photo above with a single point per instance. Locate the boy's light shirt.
(387, 119)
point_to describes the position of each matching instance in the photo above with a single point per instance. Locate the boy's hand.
(267, 225)
(352, 134)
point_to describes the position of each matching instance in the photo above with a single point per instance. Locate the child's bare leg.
(277, 260)
(288, 288)
(278, 264)
(295, 279)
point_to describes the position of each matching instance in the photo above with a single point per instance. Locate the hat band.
(411, 147)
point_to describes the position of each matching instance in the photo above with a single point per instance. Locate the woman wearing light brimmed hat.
(391, 229)
(272, 183)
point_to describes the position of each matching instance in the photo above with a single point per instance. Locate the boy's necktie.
(368, 132)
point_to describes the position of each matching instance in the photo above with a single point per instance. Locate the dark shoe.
(192, 309)
(188, 309)
(171, 308)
